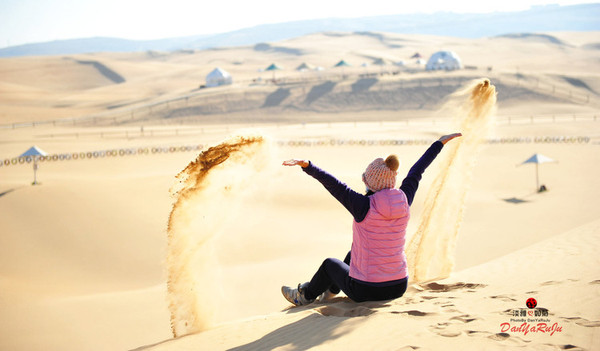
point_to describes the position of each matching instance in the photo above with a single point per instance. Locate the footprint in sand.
(451, 328)
(465, 318)
(583, 322)
(507, 337)
(440, 329)
(440, 326)
(506, 298)
(554, 282)
(499, 336)
(550, 282)
(450, 334)
(437, 287)
(477, 333)
(339, 308)
(444, 304)
(569, 347)
(409, 300)
(336, 311)
(414, 313)
(429, 297)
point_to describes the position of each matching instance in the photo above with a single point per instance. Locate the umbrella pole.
(537, 178)
(34, 170)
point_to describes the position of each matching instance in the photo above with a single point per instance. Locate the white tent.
(218, 77)
(34, 152)
(443, 60)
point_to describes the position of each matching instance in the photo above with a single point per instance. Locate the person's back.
(378, 241)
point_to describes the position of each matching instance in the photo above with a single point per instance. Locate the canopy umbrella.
(34, 152)
(381, 62)
(537, 159)
(273, 67)
(342, 64)
(304, 67)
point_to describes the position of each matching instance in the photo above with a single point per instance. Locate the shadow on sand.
(276, 97)
(319, 91)
(515, 200)
(316, 328)
(8, 191)
(363, 84)
(308, 332)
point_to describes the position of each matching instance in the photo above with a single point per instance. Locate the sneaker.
(296, 296)
(326, 296)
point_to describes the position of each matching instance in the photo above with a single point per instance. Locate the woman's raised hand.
(293, 162)
(446, 138)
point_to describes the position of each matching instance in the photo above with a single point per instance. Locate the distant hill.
(89, 45)
(537, 19)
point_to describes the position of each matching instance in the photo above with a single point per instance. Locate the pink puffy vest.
(378, 241)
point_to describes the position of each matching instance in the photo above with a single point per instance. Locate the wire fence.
(330, 142)
(108, 153)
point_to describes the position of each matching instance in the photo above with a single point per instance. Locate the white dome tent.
(443, 60)
(218, 77)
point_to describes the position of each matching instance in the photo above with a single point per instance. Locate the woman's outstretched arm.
(410, 184)
(357, 204)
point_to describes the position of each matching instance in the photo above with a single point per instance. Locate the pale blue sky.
(32, 21)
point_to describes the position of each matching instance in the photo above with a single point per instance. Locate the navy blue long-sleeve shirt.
(358, 204)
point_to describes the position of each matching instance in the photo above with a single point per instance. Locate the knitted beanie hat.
(381, 174)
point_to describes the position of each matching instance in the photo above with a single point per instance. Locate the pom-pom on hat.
(381, 174)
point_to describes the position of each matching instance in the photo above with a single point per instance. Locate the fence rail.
(387, 81)
(151, 132)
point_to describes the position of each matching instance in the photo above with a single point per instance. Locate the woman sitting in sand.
(375, 269)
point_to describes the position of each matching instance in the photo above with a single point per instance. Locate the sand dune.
(83, 254)
(84, 88)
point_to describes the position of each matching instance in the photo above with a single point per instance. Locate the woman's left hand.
(447, 138)
(293, 162)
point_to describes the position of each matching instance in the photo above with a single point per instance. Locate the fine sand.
(85, 255)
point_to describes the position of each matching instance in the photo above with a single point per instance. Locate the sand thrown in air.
(211, 188)
(206, 196)
(430, 251)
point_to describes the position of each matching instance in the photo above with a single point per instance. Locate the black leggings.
(334, 275)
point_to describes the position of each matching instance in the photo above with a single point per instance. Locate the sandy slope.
(82, 255)
(463, 312)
